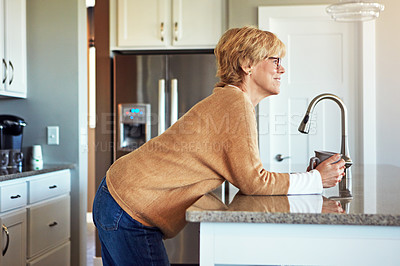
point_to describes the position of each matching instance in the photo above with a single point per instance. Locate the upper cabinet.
(13, 48)
(166, 24)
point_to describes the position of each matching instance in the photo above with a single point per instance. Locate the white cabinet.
(58, 256)
(13, 238)
(35, 214)
(13, 195)
(13, 56)
(166, 24)
(48, 185)
(50, 219)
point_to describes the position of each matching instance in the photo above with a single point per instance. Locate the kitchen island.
(305, 229)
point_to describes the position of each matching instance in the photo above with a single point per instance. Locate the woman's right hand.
(331, 172)
(331, 206)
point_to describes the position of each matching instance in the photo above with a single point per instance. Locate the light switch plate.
(53, 135)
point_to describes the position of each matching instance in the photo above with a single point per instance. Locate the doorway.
(322, 56)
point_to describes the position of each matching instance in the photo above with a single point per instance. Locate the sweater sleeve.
(244, 163)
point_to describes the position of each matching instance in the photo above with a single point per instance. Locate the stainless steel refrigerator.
(169, 85)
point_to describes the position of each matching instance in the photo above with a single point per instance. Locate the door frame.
(366, 76)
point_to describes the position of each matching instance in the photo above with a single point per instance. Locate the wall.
(57, 96)
(387, 65)
(243, 13)
(388, 83)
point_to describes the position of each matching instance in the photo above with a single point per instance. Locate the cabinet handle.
(5, 70)
(162, 31)
(176, 31)
(5, 229)
(15, 197)
(12, 73)
(53, 224)
(53, 186)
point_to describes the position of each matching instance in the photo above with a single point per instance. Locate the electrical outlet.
(53, 135)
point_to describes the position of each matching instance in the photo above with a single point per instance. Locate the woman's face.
(266, 76)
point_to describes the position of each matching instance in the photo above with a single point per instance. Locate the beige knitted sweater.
(214, 141)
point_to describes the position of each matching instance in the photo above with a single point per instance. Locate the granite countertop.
(9, 174)
(375, 201)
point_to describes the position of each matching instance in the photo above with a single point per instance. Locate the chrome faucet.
(305, 123)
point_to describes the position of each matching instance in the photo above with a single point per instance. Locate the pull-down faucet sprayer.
(305, 123)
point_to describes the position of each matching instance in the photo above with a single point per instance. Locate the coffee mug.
(37, 157)
(4, 158)
(319, 157)
(15, 158)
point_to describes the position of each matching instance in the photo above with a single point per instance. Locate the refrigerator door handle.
(174, 101)
(161, 106)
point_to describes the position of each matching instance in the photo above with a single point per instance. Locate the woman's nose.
(281, 69)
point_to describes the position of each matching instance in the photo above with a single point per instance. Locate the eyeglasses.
(276, 60)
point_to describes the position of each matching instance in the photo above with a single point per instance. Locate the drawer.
(49, 185)
(59, 256)
(48, 225)
(13, 196)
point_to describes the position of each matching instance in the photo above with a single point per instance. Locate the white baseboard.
(97, 261)
(89, 217)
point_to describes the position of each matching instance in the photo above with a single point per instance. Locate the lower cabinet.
(48, 225)
(13, 238)
(59, 256)
(35, 218)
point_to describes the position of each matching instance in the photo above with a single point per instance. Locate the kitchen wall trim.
(368, 94)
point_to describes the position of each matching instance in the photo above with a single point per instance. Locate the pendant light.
(354, 10)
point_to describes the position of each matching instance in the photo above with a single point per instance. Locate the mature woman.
(145, 193)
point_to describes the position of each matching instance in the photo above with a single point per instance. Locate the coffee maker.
(11, 132)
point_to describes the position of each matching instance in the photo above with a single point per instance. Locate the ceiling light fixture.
(354, 10)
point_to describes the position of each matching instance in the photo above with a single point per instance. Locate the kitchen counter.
(9, 174)
(369, 222)
(376, 201)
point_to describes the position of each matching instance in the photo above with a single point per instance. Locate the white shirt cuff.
(305, 183)
(306, 204)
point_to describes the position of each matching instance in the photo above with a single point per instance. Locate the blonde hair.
(245, 46)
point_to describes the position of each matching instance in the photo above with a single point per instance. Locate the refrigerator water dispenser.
(134, 125)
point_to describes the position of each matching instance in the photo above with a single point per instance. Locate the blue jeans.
(125, 241)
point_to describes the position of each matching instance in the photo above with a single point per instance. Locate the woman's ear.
(247, 69)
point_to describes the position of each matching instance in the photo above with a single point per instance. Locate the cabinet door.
(197, 23)
(15, 47)
(3, 66)
(143, 23)
(14, 224)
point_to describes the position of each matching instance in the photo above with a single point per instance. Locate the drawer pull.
(5, 229)
(15, 197)
(53, 224)
(53, 186)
